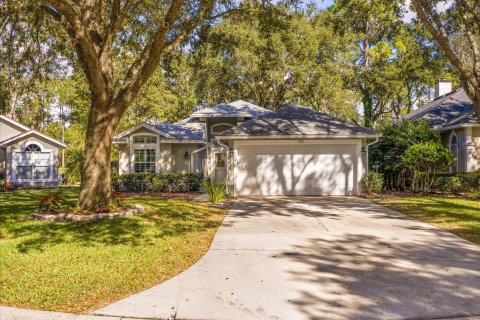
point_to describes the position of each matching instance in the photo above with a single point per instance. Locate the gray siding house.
(292, 151)
(28, 158)
(453, 114)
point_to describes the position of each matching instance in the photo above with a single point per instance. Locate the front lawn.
(79, 266)
(459, 216)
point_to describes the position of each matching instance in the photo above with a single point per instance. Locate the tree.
(386, 155)
(273, 55)
(140, 31)
(456, 31)
(424, 159)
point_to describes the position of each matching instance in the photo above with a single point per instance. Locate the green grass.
(459, 216)
(80, 266)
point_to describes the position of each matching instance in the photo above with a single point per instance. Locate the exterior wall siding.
(165, 159)
(7, 130)
(475, 152)
(179, 163)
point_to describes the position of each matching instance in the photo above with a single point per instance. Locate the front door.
(220, 166)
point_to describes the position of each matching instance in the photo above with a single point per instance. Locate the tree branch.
(87, 55)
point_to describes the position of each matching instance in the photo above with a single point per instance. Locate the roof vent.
(442, 88)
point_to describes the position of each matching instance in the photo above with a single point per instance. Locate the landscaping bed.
(81, 265)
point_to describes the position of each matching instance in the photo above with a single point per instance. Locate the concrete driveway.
(319, 258)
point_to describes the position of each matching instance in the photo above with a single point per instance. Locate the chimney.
(443, 87)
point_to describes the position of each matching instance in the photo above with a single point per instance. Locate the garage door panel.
(295, 170)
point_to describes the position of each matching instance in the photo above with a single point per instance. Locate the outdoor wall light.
(364, 151)
(185, 155)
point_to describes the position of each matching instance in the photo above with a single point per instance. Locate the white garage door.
(295, 169)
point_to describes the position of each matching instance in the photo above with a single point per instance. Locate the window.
(220, 127)
(220, 160)
(24, 172)
(144, 160)
(144, 139)
(32, 147)
(41, 172)
(454, 149)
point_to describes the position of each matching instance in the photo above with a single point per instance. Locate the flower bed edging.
(87, 217)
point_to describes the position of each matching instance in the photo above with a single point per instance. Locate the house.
(292, 151)
(28, 158)
(452, 113)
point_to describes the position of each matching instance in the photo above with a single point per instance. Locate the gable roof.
(237, 108)
(297, 121)
(26, 132)
(141, 125)
(31, 132)
(454, 108)
(183, 130)
(14, 123)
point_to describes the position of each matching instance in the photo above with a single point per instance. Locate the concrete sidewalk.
(319, 258)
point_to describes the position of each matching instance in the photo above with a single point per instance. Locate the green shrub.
(474, 194)
(449, 184)
(372, 183)
(423, 161)
(457, 182)
(163, 182)
(215, 191)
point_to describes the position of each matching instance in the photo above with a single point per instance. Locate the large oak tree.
(457, 31)
(140, 31)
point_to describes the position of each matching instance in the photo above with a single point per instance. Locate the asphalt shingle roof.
(453, 108)
(296, 120)
(183, 130)
(237, 108)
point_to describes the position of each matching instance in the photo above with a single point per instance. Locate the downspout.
(227, 163)
(367, 147)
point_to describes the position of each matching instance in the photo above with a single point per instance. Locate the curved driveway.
(319, 258)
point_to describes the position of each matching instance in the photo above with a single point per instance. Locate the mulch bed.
(187, 196)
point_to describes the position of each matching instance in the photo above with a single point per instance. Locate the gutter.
(456, 126)
(297, 136)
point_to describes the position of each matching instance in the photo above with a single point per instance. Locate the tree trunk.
(96, 171)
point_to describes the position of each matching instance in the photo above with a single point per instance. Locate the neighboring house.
(28, 158)
(292, 151)
(453, 114)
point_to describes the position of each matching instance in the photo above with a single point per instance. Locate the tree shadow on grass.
(163, 218)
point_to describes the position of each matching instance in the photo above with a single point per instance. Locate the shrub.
(50, 204)
(423, 160)
(449, 184)
(372, 183)
(164, 182)
(474, 194)
(457, 182)
(117, 200)
(215, 191)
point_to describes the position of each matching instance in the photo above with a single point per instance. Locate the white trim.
(142, 125)
(456, 126)
(357, 155)
(289, 142)
(29, 142)
(220, 124)
(183, 141)
(296, 136)
(453, 134)
(140, 146)
(32, 132)
(15, 123)
(13, 166)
